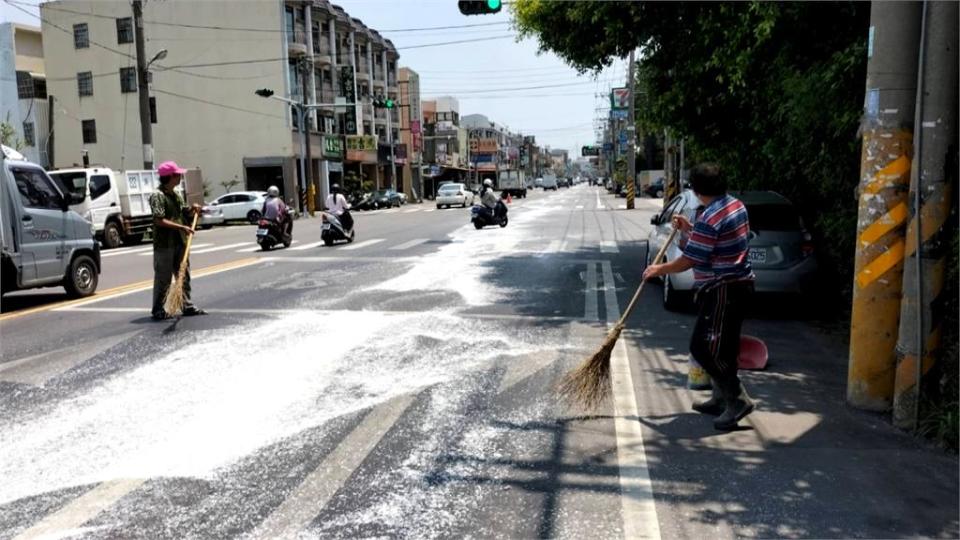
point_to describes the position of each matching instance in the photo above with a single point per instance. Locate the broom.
(173, 303)
(589, 384)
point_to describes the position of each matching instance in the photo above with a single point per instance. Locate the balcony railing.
(297, 36)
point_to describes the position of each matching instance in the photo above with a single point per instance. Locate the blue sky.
(560, 115)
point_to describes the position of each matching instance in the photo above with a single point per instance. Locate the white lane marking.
(316, 490)
(410, 244)
(555, 246)
(610, 292)
(609, 246)
(220, 248)
(520, 368)
(579, 207)
(194, 246)
(412, 210)
(257, 248)
(430, 210)
(81, 510)
(362, 245)
(590, 308)
(38, 369)
(307, 246)
(128, 251)
(638, 507)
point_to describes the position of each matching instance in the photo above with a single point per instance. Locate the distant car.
(385, 198)
(403, 197)
(655, 189)
(563, 182)
(538, 182)
(454, 194)
(781, 250)
(236, 206)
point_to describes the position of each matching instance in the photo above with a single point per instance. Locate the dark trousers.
(346, 220)
(166, 264)
(715, 343)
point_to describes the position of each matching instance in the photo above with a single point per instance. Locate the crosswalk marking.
(361, 245)
(307, 246)
(81, 509)
(124, 251)
(410, 244)
(609, 246)
(150, 253)
(220, 248)
(257, 248)
(316, 490)
(579, 207)
(590, 308)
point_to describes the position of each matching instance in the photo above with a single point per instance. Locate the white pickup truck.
(116, 203)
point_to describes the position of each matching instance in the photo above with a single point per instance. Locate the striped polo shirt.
(718, 243)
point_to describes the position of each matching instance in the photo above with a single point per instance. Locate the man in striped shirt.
(716, 247)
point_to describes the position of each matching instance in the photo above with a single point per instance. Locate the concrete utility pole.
(887, 129)
(306, 157)
(631, 139)
(146, 129)
(931, 198)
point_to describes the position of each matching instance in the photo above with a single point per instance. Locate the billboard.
(620, 98)
(483, 146)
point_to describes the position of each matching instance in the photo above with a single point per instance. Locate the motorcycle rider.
(488, 198)
(337, 205)
(274, 209)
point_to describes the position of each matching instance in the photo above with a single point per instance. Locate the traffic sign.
(619, 114)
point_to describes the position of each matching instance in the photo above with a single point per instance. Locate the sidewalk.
(805, 464)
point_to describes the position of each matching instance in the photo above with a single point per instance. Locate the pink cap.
(169, 168)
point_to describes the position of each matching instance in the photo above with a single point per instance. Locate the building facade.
(23, 90)
(203, 107)
(411, 131)
(446, 143)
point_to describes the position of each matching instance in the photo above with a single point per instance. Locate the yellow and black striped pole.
(883, 211)
(931, 200)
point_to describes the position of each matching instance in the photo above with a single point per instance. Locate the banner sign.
(620, 98)
(367, 143)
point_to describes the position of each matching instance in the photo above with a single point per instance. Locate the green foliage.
(8, 135)
(229, 184)
(771, 91)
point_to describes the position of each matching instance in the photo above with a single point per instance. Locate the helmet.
(335, 188)
(488, 182)
(273, 191)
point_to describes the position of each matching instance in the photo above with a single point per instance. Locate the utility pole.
(50, 108)
(631, 139)
(931, 184)
(887, 127)
(146, 129)
(306, 157)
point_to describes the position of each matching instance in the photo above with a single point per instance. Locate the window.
(153, 110)
(125, 30)
(99, 185)
(89, 128)
(39, 88)
(36, 189)
(28, 135)
(24, 85)
(128, 79)
(85, 83)
(81, 37)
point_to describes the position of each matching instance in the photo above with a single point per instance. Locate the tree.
(230, 184)
(8, 135)
(771, 91)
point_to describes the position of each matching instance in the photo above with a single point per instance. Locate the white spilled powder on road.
(462, 265)
(222, 395)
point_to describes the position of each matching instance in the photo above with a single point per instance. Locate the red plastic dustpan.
(753, 353)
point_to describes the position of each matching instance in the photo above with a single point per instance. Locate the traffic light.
(381, 102)
(479, 7)
(264, 92)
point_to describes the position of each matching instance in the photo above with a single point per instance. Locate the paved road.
(402, 386)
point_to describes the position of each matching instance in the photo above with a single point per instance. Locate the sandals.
(193, 311)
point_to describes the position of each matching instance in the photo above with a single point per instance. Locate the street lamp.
(159, 56)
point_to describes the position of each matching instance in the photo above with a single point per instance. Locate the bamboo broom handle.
(636, 295)
(186, 252)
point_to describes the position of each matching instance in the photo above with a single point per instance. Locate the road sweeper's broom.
(589, 384)
(173, 303)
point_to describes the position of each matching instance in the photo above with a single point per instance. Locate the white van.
(42, 242)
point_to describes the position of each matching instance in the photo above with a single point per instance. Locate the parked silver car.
(781, 249)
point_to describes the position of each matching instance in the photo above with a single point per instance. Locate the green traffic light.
(493, 4)
(388, 104)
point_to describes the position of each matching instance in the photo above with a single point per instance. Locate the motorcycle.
(270, 232)
(481, 216)
(332, 230)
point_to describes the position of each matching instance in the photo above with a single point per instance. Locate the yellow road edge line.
(128, 288)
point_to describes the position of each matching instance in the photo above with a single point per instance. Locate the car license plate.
(757, 255)
(261, 232)
(326, 226)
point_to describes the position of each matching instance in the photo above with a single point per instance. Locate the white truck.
(549, 181)
(43, 243)
(512, 182)
(116, 203)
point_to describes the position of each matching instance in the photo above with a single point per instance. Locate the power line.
(474, 40)
(215, 104)
(517, 88)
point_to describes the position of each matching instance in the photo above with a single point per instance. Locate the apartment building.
(208, 59)
(493, 147)
(23, 90)
(446, 146)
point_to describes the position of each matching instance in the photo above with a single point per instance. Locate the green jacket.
(169, 205)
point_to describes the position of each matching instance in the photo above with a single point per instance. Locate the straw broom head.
(589, 384)
(173, 303)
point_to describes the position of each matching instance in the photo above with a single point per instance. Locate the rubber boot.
(713, 406)
(739, 405)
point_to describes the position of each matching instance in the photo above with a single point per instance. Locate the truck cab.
(43, 242)
(116, 203)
